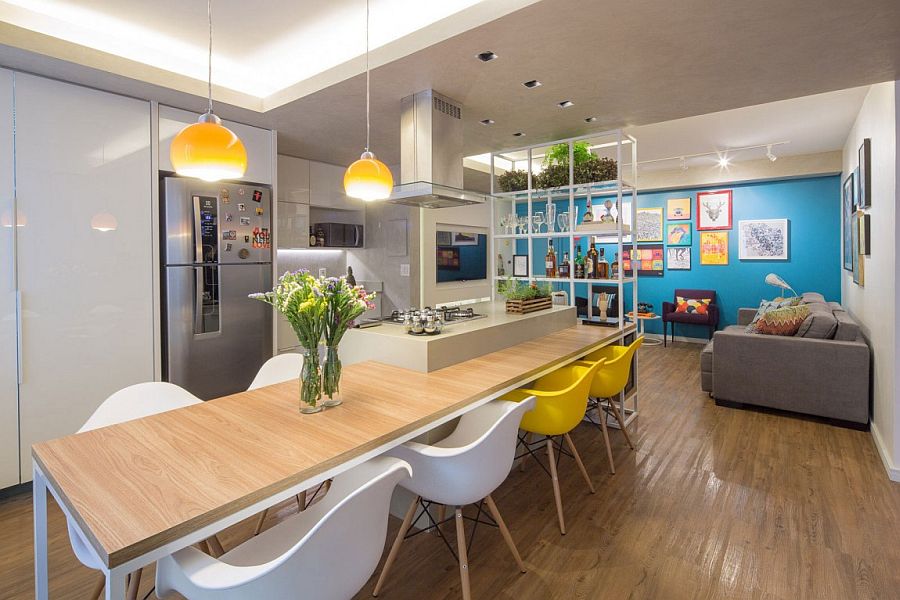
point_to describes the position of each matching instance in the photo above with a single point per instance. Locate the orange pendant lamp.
(207, 149)
(368, 178)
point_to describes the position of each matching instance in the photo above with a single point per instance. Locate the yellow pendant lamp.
(368, 178)
(207, 149)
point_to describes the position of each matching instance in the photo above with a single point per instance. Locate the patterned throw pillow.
(692, 305)
(782, 321)
(770, 305)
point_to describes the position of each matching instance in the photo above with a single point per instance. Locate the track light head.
(769, 154)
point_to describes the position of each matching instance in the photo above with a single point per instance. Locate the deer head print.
(713, 210)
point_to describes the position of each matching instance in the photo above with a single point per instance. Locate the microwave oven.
(341, 235)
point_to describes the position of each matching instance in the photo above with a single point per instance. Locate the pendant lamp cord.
(367, 75)
(209, 56)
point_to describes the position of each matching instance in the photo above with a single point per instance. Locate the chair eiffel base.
(605, 406)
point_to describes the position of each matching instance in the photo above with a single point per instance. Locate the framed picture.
(864, 177)
(678, 234)
(847, 202)
(448, 258)
(858, 276)
(679, 259)
(714, 210)
(678, 209)
(714, 248)
(461, 238)
(865, 234)
(649, 225)
(856, 191)
(520, 265)
(764, 239)
(648, 260)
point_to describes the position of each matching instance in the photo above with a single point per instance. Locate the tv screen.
(461, 256)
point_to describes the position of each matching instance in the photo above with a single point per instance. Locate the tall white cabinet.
(9, 398)
(83, 256)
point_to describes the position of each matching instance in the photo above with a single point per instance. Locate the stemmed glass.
(513, 222)
(551, 217)
(522, 223)
(504, 223)
(537, 220)
(562, 220)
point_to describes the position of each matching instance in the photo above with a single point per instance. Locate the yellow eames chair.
(608, 383)
(561, 403)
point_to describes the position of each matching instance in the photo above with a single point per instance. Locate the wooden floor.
(715, 503)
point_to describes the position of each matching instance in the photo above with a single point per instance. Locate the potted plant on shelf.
(523, 298)
(587, 168)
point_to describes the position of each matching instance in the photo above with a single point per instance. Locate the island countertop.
(458, 342)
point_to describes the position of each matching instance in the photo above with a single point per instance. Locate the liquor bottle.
(602, 266)
(550, 260)
(320, 236)
(313, 240)
(564, 265)
(579, 263)
(588, 213)
(501, 271)
(590, 265)
(615, 267)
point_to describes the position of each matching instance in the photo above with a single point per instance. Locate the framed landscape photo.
(847, 203)
(714, 248)
(649, 225)
(678, 234)
(763, 239)
(864, 177)
(714, 210)
(679, 258)
(678, 209)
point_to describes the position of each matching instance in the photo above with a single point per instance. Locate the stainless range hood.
(431, 157)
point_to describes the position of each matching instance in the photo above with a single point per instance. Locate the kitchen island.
(458, 342)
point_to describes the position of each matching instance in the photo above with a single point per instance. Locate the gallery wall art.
(649, 225)
(678, 234)
(714, 210)
(678, 209)
(763, 239)
(848, 201)
(864, 178)
(714, 248)
(678, 258)
(647, 259)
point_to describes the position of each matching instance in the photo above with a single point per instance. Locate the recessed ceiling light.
(487, 121)
(590, 119)
(565, 104)
(486, 56)
(532, 84)
(519, 134)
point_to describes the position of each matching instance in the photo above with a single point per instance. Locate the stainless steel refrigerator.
(216, 249)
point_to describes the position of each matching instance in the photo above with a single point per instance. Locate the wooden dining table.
(143, 489)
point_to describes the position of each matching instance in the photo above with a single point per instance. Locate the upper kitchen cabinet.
(293, 179)
(84, 253)
(9, 393)
(326, 185)
(260, 143)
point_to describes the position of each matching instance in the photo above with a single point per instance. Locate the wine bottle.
(591, 263)
(615, 266)
(588, 213)
(564, 265)
(602, 266)
(579, 263)
(550, 260)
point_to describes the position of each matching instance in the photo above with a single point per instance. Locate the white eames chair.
(134, 402)
(279, 368)
(327, 552)
(463, 468)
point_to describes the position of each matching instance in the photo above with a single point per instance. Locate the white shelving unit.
(615, 144)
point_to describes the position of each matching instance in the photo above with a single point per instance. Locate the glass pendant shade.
(209, 151)
(368, 179)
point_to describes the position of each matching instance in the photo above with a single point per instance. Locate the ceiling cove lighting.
(207, 149)
(486, 56)
(368, 178)
(532, 84)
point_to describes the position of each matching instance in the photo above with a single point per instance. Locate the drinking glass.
(522, 223)
(513, 222)
(563, 221)
(537, 220)
(551, 217)
(504, 223)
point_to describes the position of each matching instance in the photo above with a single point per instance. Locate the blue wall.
(812, 206)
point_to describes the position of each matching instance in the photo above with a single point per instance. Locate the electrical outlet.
(404, 270)
(323, 272)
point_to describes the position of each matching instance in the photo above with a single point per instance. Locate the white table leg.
(115, 585)
(39, 499)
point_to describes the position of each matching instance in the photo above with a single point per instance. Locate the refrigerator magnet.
(229, 217)
(245, 220)
(244, 253)
(242, 207)
(257, 195)
(231, 234)
(228, 247)
(246, 239)
(224, 195)
(240, 191)
(259, 211)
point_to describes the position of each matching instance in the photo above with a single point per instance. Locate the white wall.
(874, 305)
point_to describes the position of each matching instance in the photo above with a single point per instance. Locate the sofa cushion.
(813, 298)
(847, 329)
(692, 305)
(767, 306)
(782, 321)
(820, 323)
(836, 307)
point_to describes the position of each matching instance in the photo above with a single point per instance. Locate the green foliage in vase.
(514, 289)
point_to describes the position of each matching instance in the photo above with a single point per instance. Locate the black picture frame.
(865, 234)
(864, 178)
(520, 265)
(848, 201)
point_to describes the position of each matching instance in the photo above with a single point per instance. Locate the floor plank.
(714, 503)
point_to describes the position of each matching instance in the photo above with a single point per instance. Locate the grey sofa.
(822, 371)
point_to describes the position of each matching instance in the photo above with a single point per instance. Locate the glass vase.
(310, 382)
(331, 377)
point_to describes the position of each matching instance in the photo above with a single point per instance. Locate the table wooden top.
(138, 485)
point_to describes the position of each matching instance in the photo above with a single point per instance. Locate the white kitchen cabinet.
(259, 143)
(83, 162)
(326, 188)
(293, 225)
(9, 399)
(284, 335)
(293, 179)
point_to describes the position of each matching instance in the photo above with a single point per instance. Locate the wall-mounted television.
(461, 256)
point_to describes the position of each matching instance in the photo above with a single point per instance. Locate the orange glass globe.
(209, 151)
(368, 179)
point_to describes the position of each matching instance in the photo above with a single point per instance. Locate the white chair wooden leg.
(260, 521)
(98, 587)
(463, 557)
(505, 532)
(395, 547)
(134, 585)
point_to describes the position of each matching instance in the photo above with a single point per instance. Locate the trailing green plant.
(514, 289)
(559, 153)
(513, 181)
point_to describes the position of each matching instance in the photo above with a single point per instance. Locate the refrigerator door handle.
(198, 235)
(198, 300)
